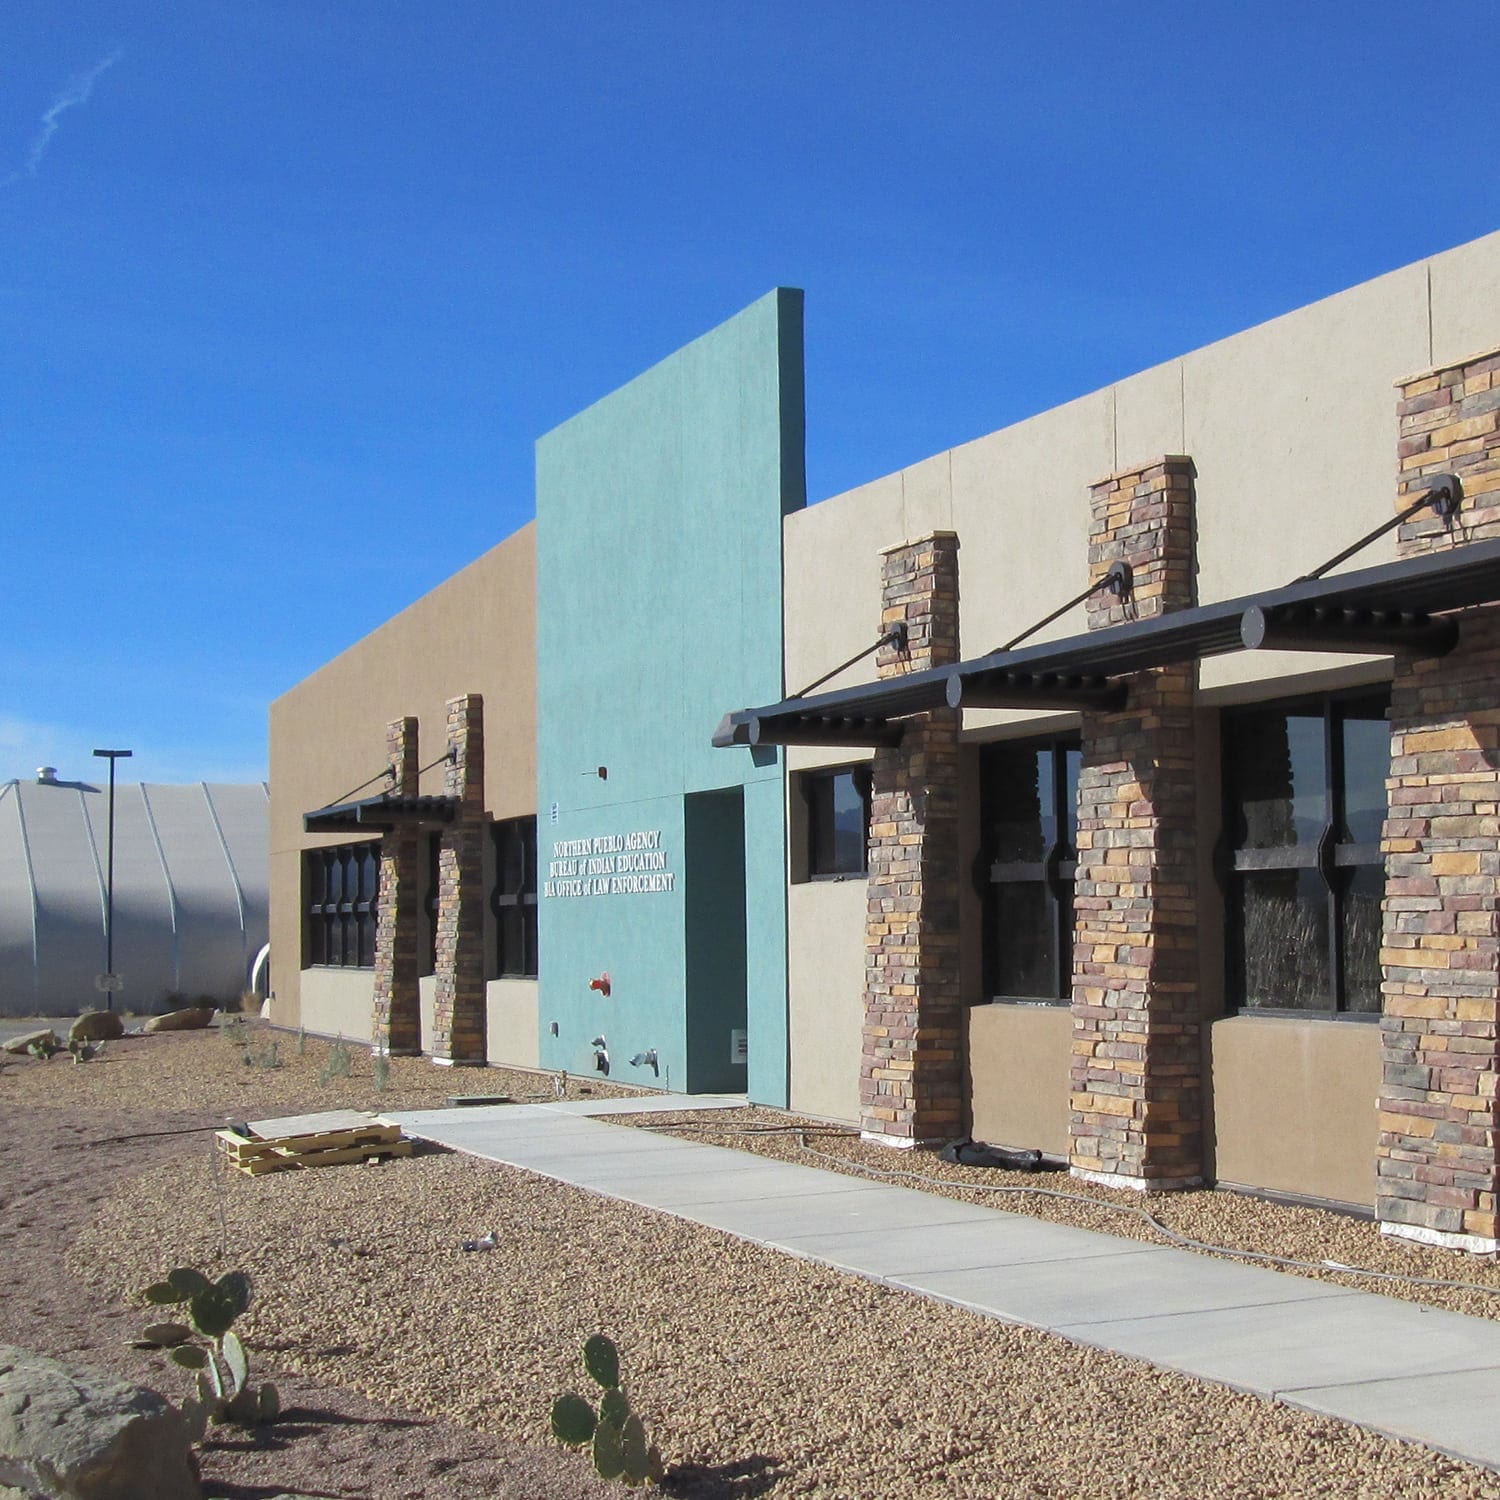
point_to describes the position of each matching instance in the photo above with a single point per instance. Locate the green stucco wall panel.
(659, 584)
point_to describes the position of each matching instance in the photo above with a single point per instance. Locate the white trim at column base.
(898, 1142)
(1136, 1184)
(1473, 1244)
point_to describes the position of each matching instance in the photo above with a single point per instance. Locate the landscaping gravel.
(757, 1373)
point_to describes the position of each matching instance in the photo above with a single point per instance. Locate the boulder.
(18, 1046)
(97, 1026)
(72, 1433)
(194, 1018)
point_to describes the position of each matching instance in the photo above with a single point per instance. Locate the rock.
(18, 1046)
(96, 1026)
(194, 1018)
(80, 1434)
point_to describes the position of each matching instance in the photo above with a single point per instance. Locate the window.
(1304, 800)
(513, 899)
(343, 895)
(838, 822)
(1027, 860)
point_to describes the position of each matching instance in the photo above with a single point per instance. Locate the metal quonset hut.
(190, 892)
(1162, 832)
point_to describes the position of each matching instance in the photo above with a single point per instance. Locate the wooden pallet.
(255, 1153)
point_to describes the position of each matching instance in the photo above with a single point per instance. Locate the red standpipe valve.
(601, 984)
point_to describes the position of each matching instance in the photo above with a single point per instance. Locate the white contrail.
(76, 91)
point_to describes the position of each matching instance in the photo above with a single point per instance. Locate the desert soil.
(413, 1368)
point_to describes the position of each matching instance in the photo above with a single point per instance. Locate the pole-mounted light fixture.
(109, 981)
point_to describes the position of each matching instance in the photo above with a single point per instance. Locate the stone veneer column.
(1438, 1164)
(1137, 1114)
(911, 1067)
(459, 1001)
(398, 1013)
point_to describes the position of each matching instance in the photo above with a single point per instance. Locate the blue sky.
(289, 288)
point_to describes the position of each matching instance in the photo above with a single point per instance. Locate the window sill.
(1265, 1013)
(1030, 1002)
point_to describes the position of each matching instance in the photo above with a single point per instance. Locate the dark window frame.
(340, 917)
(1331, 855)
(432, 854)
(1054, 871)
(514, 904)
(813, 785)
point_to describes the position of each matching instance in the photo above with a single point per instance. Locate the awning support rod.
(389, 774)
(1443, 496)
(1116, 580)
(895, 637)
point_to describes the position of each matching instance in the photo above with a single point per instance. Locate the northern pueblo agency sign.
(613, 864)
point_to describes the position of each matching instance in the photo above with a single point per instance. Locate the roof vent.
(47, 775)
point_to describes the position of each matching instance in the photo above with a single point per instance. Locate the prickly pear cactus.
(616, 1436)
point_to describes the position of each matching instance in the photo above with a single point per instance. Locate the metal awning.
(1398, 608)
(380, 814)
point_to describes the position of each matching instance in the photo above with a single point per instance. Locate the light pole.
(109, 887)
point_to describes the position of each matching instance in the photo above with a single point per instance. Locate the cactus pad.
(572, 1420)
(190, 1356)
(609, 1456)
(635, 1463)
(602, 1360)
(234, 1356)
(614, 1407)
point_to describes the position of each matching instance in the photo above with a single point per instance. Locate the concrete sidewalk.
(1408, 1371)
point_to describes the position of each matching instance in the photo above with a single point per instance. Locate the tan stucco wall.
(826, 982)
(338, 1002)
(1019, 1056)
(474, 633)
(1294, 1106)
(1292, 427)
(511, 1007)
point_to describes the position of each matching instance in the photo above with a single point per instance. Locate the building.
(190, 893)
(1111, 817)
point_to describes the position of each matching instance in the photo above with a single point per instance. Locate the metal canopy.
(1392, 609)
(380, 814)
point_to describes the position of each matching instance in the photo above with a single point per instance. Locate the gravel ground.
(1232, 1220)
(757, 1373)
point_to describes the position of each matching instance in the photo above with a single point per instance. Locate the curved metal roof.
(191, 893)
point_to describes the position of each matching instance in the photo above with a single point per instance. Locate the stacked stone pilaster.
(459, 996)
(397, 1003)
(1137, 1112)
(911, 1068)
(1439, 1153)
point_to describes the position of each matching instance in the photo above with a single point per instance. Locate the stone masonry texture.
(1439, 1151)
(1136, 1080)
(398, 1027)
(911, 1065)
(459, 999)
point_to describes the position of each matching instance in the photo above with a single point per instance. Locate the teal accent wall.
(659, 605)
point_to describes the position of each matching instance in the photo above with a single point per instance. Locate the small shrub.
(339, 1064)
